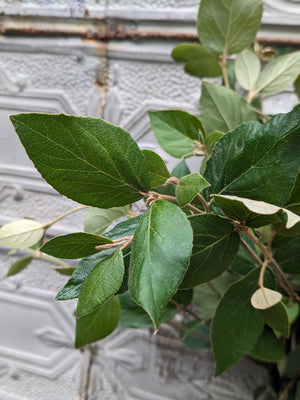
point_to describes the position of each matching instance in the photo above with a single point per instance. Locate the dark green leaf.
(98, 324)
(215, 246)
(288, 255)
(86, 159)
(195, 335)
(223, 109)
(74, 245)
(158, 171)
(176, 131)
(19, 266)
(267, 348)
(277, 318)
(101, 284)
(124, 228)
(229, 26)
(199, 61)
(293, 363)
(184, 297)
(96, 220)
(188, 187)
(243, 262)
(254, 160)
(160, 255)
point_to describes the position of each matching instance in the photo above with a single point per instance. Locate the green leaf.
(180, 170)
(238, 321)
(223, 109)
(229, 26)
(157, 168)
(255, 213)
(175, 131)
(21, 234)
(98, 324)
(212, 139)
(279, 74)
(199, 61)
(215, 245)
(160, 255)
(207, 295)
(247, 69)
(293, 363)
(86, 159)
(184, 297)
(101, 284)
(133, 316)
(74, 245)
(288, 255)
(96, 220)
(267, 348)
(243, 262)
(254, 160)
(188, 187)
(19, 266)
(124, 228)
(64, 271)
(195, 335)
(277, 318)
(297, 87)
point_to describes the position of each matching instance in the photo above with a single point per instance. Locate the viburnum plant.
(225, 240)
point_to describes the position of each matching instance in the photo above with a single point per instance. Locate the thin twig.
(188, 330)
(251, 252)
(257, 111)
(181, 307)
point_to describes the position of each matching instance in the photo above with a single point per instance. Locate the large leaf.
(228, 26)
(74, 245)
(279, 74)
(98, 324)
(247, 68)
(254, 160)
(86, 159)
(214, 248)
(96, 220)
(188, 187)
(239, 323)
(223, 109)
(157, 168)
(21, 234)
(176, 131)
(255, 213)
(101, 284)
(159, 258)
(277, 318)
(288, 255)
(199, 61)
(267, 347)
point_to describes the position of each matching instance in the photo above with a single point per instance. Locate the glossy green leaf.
(277, 318)
(229, 26)
(247, 68)
(19, 266)
(255, 213)
(288, 255)
(124, 228)
(21, 234)
(74, 245)
(195, 335)
(199, 61)
(175, 131)
(279, 74)
(223, 109)
(86, 159)
(188, 187)
(157, 168)
(98, 324)
(238, 321)
(267, 348)
(101, 284)
(160, 255)
(215, 245)
(254, 160)
(97, 220)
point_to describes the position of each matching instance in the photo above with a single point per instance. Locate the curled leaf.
(264, 298)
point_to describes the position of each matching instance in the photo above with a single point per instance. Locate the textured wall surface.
(120, 81)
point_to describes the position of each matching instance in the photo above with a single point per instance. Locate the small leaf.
(279, 74)
(229, 26)
(223, 109)
(96, 220)
(247, 68)
(188, 187)
(277, 318)
(98, 324)
(158, 171)
(215, 245)
(175, 131)
(255, 213)
(74, 245)
(195, 335)
(101, 284)
(267, 348)
(21, 234)
(264, 298)
(64, 271)
(199, 61)
(160, 255)
(86, 159)
(180, 170)
(19, 266)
